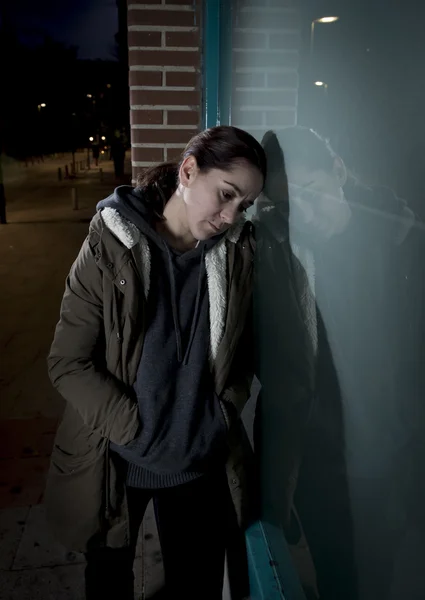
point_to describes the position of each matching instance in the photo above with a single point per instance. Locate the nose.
(229, 214)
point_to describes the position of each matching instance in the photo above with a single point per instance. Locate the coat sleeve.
(238, 388)
(76, 362)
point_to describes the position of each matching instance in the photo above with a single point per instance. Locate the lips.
(216, 229)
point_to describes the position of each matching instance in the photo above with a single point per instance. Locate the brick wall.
(266, 49)
(165, 83)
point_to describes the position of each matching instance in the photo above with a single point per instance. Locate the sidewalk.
(37, 248)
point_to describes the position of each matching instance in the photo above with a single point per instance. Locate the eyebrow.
(234, 186)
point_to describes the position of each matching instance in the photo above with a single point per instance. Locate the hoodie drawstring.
(174, 307)
(197, 307)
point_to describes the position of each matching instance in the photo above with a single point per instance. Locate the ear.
(340, 171)
(188, 171)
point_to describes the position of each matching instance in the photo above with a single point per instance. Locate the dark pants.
(119, 167)
(192, 521)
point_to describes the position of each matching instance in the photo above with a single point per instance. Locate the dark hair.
(298, 146)
(219, 147)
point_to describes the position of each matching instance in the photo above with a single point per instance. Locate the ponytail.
(158, 184)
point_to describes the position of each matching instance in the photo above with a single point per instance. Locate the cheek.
(204, 207)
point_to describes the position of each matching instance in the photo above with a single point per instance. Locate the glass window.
(335, 92)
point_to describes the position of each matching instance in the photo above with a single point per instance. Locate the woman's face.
(217, 199)
(317, 202)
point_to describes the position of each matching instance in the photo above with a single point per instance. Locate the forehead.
(245, 176)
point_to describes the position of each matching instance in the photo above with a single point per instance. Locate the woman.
(152, 353)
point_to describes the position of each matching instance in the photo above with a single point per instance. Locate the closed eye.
(228, 195)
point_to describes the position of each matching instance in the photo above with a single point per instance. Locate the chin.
(206, 233)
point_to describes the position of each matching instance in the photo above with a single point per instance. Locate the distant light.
(103, 138)
(91, 139)
(319, 83)
(327, 19)
(102, 151)
(43, 105)
(89, 96)
(108, 85)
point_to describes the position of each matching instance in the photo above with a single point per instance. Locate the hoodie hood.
(130, 204)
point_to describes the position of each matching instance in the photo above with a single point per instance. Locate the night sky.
(88, 24)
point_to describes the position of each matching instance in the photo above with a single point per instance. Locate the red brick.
(174, 153)
(145, 78)
(161, 136)
(184, 117)
(173, 78)
(144, 38)
(170, 18)
(155, 97)
(147, 154)
(182, 38)
(163, 58)
(146, 117)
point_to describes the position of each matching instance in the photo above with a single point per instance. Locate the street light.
(327, 20)
(103, 138)
(91, 139)
(43, 105)
(323, 85)
(89, 96)
(320, 20)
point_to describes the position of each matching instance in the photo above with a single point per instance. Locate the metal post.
(225, 73)
(74, 197)
(59, 174)
(211, 62)
(313, 23)
(3, 220)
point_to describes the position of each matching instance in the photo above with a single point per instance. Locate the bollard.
(101, 174)
(66, 172)
(74, 197)
(59, 174)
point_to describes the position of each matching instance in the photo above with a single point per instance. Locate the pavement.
(37, 247)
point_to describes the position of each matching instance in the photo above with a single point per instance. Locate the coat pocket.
(75, 490)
